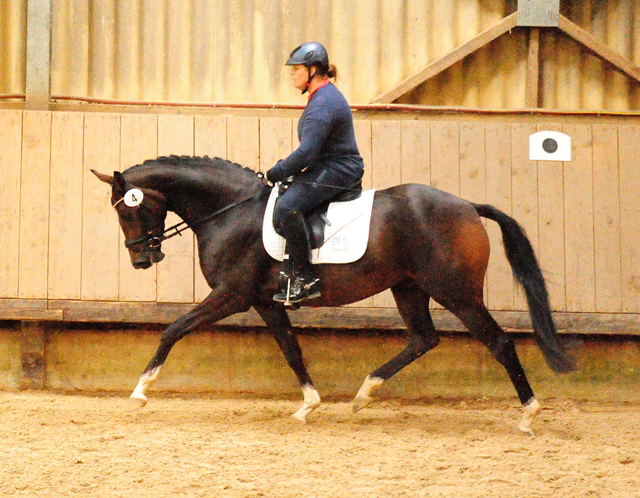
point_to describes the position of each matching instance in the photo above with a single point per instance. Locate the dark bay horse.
(423, 244)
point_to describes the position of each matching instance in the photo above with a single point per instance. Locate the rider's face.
(300, 76)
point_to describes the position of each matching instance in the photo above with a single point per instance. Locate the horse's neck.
(193, 195)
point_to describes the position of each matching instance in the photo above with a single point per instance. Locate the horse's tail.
(527, 272)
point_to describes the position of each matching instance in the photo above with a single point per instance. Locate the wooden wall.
(233, 51)
(62, 254)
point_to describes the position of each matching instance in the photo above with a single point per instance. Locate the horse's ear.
(119, 183)
(102, 177)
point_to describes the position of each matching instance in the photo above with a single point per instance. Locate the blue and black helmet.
(309, 54)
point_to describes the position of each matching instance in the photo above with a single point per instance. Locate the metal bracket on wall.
(539, 13)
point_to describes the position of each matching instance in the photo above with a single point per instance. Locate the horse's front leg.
(213, 308)
(277, 320)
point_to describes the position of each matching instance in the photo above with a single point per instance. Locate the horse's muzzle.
(146, 259)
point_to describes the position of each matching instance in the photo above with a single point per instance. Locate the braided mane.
(190, 161)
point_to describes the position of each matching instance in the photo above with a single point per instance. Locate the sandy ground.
(90, 445)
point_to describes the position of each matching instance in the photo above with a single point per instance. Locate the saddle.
(317, 219)
(340, 231)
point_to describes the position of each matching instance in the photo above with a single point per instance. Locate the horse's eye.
(126, 217)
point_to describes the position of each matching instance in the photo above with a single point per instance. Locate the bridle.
(153, 242)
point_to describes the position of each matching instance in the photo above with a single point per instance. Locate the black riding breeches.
(308, 190)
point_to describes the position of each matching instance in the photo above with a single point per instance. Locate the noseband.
(152, 242)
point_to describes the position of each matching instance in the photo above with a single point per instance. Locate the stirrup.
(302, 288)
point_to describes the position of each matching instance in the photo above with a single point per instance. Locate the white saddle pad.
(345, 240)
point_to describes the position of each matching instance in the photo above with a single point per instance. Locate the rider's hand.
(265, 181)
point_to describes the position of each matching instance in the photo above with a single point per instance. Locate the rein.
(178, 228)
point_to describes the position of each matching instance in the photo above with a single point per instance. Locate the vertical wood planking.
(100, 230)
(473, 181)
(243, 141)
(416, 152)
(386, 159)
(445, 156)
(211, 136)
(362, 129)
(175, 272)
(498, 190)
(551, 225)
(139, 142)
(10, 151)
(386, 153)
(65, 216)
(34, 204)
(210, 140)
(363, 139)
(629, 143)
(606, 218)
(524, 190)
(275, 141)
(578, 208)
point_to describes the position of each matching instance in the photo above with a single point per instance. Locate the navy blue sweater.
(327, 138)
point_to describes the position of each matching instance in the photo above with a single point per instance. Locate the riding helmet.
(309, 54)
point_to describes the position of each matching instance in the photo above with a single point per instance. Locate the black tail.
(526, 270)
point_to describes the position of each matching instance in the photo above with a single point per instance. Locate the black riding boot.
(297, 280)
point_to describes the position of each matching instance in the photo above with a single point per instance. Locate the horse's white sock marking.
(145, 381)
(363, 398)
(311, 402)
(529, 411)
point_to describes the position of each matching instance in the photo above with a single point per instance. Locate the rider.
(325, 164)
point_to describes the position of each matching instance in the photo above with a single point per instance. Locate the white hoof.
(311, 402)
(360, 402)
(363, 398)
(137, 401)
(530, 411)
(301, 414)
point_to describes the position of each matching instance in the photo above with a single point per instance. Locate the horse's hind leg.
(484, 328)
(413, 305)
(277, 320)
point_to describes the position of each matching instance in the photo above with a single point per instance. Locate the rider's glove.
(265, 181)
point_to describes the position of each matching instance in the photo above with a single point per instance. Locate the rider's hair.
(331, 71)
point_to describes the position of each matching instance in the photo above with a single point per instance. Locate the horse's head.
(141, 213)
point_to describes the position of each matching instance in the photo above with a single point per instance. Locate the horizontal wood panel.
(580, 215)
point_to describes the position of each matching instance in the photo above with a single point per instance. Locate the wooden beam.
(38, 78)
(599, 49)
(532, 97)
(30, 311)
(27, 309)
(448, 60)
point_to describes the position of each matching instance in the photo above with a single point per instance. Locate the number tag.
(133, 197)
